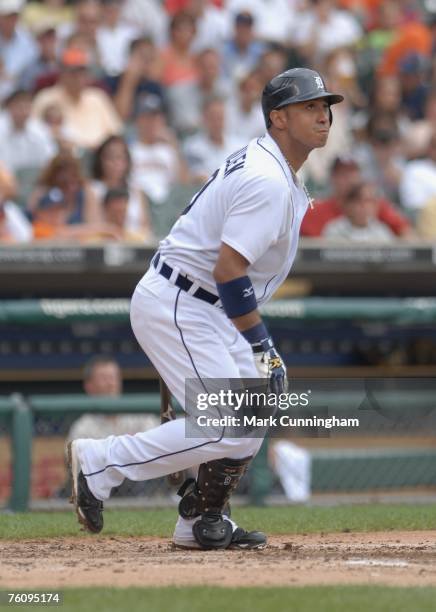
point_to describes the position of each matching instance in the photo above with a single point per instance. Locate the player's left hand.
(270, 365)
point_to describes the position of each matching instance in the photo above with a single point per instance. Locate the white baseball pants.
(184, 337)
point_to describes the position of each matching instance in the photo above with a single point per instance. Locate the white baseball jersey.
(250, 203)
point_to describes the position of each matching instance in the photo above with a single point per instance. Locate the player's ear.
(278, 119)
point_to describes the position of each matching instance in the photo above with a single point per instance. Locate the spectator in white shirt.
(89, 112)
(244, 113)
(418, 183)
(14, 225)
(149, 16)
(381, 157)
(207, 150)
(25, 142)
(272, 17)
(18, 48)
(114, 38)
(156, 162)
(212, 25)
(102, 377)
(322, 28)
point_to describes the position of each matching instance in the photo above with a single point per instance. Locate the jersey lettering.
(235, 161)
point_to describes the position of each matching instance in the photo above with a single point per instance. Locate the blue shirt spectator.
(17, 46)
(242, 53)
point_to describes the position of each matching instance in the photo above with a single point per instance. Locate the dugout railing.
(19, 413)
(49, 340)
(395, 310)
(365, 464)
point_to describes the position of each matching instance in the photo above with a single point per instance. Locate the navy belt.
(183, 282)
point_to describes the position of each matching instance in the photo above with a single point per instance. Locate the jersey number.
(202, 190)
(234, 162)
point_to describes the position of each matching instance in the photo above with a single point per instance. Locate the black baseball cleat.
(248, 540)
(89, 509)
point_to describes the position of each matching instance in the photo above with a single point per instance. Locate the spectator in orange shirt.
(178, 62)
(50, 216)
(368, 10)
(345, 174)
(408, 37)
(50, 221)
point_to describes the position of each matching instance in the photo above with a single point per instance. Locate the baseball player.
(195, 313)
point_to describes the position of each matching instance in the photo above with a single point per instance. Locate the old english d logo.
(319, 83)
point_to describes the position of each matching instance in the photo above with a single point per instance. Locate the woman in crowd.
(65, 173)
(111, 170)
(178, 61)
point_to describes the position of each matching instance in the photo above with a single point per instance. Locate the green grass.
(280, 599)
(282, 520)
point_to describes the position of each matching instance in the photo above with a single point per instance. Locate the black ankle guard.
(212, 531)
(215, 482)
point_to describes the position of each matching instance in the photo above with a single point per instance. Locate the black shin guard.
(215, 482)
(208, 496)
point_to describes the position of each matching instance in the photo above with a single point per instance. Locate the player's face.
(308, 123)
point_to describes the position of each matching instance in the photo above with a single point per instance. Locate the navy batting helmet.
(292, 86)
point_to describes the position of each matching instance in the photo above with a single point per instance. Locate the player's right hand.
(270, 365)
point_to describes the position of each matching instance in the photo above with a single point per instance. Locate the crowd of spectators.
(109, 107)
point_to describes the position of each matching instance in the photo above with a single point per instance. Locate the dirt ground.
(394, 558)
